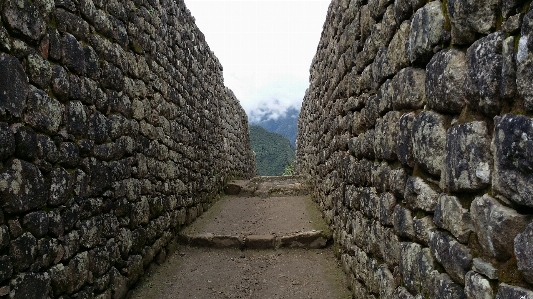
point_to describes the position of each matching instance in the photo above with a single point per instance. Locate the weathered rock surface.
(450, 215)
(524, 61)
(116, 131)
(468, 18)
(429, 141)
(509, 291)
(448, 84)
(427, 32)
(446, 73)
(476, 286)
(455, 257)
(14, 84)
(484, 73)
(468, 157)
(513, 162)
(523, 250)
(496, 226)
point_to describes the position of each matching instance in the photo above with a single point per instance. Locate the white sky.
(265, 47)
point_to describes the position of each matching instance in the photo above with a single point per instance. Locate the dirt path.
(207, 272)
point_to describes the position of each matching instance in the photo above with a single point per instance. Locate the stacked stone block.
(416, 133)
(116, 130)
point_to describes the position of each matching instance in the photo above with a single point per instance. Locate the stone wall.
(417, 133)
(116, 130)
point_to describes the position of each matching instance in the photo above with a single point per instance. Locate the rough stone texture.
(476, 286)
(405, 145)
(420, 195)
(509, 291)
(451, 82)
(22, 187)
(468, 157)
(485, 268)
(116, 131)
(450, 215)
(427, 32)
(30, 285)
(14, 86)
(470, 17)
(513, 161)
(429, 141)
(484, 73)
(455, 257)
(523, 250)
(408, 91)
(496, 226)
(524, 60)
(444, 288)
(23, 17)
(446, 72)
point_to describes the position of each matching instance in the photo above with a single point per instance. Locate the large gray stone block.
(23, 17)
(429, 141)
(22, 187)
(30, 285)
(7, 141)
(14, 86)
(508, 291)
(403, 222)
(23, 251)
(524, 61)
(415, 266)
(423, 227)
(419, 195)
(470, 17)
(404, 151)
(442, 287)
(408, 90)
(477, 286)
(446, 73)
(484, 73)
(468, 157)
(427, 32)
(513, 161)
(44, 113)
(454, 256)
(523, 249)
(450, 215)
(496, 226)
(385, 139)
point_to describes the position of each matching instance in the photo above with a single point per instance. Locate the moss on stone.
(526, 6)
(508, 273)
(316, 217)
(474, 246)
(447, 22)
(136, 47)
(469, 115)
(499, 19)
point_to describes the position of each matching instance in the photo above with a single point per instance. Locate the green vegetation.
(289, 170)
(286, 125)
(273, 152)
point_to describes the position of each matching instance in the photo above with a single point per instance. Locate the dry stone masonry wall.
(116, 130)
(417, 133)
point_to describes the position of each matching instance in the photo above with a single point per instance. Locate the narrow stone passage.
(264, 239)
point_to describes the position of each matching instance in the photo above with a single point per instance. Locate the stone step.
(269, 186)
(313, 239)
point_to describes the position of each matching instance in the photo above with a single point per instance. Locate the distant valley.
(286, 125)
(273, 151)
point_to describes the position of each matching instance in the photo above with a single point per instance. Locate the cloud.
(265, 48)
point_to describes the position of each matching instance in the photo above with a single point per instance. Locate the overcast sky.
(265, 47)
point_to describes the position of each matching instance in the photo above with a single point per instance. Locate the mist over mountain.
(273, 151)
(285, 124)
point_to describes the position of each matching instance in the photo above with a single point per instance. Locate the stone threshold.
(313, 239)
